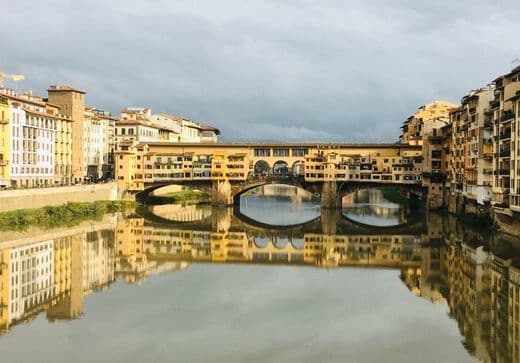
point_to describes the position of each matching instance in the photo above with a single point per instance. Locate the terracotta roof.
(210, 128)
(136, 122)
(64, 88)
(41, 114)
(24, 100)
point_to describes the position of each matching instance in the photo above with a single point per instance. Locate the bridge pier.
(221, 193)
(330, 196)
(330, 218)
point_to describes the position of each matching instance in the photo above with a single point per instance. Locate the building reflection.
(445, 264)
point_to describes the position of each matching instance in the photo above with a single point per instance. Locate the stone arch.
(262, 167)
(261, 242)
(281, 168)
(298, 168)
(297, 243)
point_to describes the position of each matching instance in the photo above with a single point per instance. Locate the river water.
(275, 280)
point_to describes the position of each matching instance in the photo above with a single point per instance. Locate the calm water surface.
(368, 206)
(208, 285)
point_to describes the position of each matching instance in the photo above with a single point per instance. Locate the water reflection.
(280, 205)
(368, 206)
(180, 213)
(475, 276)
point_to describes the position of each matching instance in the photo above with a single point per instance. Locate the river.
(275, 280)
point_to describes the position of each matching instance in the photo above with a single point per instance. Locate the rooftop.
(64, 88)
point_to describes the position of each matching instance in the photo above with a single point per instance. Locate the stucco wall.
(41, 197)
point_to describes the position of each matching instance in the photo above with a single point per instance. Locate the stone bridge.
(227, 193)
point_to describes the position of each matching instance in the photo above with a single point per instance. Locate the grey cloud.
(264, 69)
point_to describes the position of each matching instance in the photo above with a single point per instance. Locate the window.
(436, 154)
(262, 152)
(280, 152)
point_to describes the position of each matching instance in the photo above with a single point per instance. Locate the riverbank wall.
(43, 197)
(502, 219)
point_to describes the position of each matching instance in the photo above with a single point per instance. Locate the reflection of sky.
(278, 210)
(236, 313)
(368, 206)
(366, 215)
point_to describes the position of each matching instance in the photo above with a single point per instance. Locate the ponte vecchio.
(226, 170)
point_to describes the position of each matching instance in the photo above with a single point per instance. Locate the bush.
(67, 214)
(185, 196)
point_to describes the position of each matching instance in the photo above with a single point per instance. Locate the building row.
(59, 140)
(471, 150)
(146, 163)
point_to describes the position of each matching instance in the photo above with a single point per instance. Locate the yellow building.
(129, 165)
(505, 125)
(5, 142)
(432, 115)
(62, 145)
(514, 202)
(72, 104)
(383, 165)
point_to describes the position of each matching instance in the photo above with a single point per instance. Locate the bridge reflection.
(330, 221)
(476, 276)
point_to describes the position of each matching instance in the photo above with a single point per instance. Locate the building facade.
(71, 102)
(5, 142)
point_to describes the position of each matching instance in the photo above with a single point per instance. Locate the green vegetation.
(64, 215)
(396, 196)
(184, 196)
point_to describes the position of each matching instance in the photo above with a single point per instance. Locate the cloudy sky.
(274, 69)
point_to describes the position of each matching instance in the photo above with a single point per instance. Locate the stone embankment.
(13, 199)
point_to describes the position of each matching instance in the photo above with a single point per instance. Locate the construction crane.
(14, 77)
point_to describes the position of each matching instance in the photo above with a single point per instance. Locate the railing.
(508, 115)
(504, 171)
(505, 153)
(505, 135)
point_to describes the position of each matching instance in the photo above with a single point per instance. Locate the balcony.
(505, 135)
(504, 171)
(487, 140)
(488, 125)
(505, 153)
(488, 155)
(487, 171)
(507, 116)
(494, 104)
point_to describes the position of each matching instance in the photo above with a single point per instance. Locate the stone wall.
(507, 222)
(42, 197)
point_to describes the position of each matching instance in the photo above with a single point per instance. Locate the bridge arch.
(281, 167)
(261, 242)
(262, 167)
(238, 190)
(280, 242)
